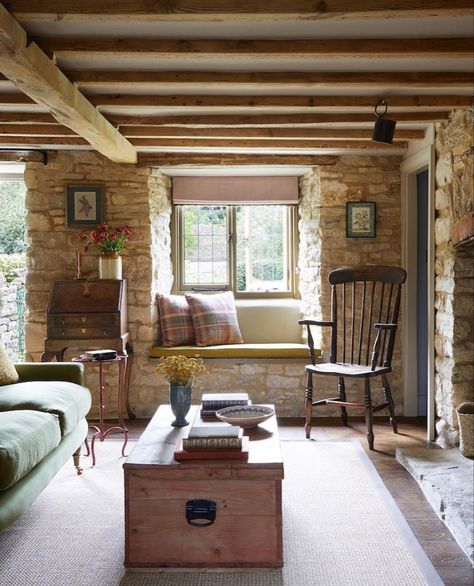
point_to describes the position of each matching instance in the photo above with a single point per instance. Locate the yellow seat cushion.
(283, 350)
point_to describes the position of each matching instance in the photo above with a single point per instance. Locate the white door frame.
(422, 160)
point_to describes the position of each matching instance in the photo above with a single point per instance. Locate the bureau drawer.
(86, 320)
(84, 332)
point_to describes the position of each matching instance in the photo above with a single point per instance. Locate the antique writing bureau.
(91, 315)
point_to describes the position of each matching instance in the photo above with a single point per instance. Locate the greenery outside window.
(249, 249)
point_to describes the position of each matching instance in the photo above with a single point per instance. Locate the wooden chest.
(87, 309)
(247, 531)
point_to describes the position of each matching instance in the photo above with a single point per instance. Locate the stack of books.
(212, 402)
(213, 442)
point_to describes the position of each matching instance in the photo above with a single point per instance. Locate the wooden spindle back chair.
(365, 304)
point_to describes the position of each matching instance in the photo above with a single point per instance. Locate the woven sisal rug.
(341, 527)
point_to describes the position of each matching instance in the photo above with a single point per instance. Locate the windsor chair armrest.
(313, 322)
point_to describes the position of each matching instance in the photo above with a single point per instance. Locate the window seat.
(266, 350)
(269, 328)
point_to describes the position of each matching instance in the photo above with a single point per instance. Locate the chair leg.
(388, 397)
(342, 397)
(76, 457)
(308, 403)
(368, 414)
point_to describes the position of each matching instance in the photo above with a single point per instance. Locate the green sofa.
(42, 424)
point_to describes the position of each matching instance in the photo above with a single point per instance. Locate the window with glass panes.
(248, 249)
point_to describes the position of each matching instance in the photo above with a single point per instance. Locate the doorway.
(422, 293)
(418, 314)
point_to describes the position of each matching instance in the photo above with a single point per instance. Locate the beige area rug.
(341, 528)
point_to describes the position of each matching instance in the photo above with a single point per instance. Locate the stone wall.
(10, 323)
(139, 197)
(52, 247)
(323, 242)
(454, 287)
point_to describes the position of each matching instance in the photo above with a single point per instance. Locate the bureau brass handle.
(83, 320)
(83, 330)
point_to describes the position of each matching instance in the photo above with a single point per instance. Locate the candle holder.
(78, 265)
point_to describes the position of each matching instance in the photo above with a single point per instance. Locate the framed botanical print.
(360, 219)
(84, 205)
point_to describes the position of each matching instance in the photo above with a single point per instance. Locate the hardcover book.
(214, 438)
(219, 454)
(215, 401)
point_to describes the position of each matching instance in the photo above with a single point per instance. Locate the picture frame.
(360, 219)
(84, 205)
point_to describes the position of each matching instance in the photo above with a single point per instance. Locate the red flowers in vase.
(107, 239)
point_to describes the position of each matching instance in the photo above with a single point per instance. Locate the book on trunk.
(220, 400)
(214, 438)
(212, 402)
(219, 454)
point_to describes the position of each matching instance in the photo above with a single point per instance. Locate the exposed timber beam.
(279, 120)
(326, 103)
(37, 76)
(192, 50)
(220, 133)
(35, 130)
(215, 10)
(247, 133)
(195, 144)
(27, 118)
(18, 141)
(270, 79)
(230, 159)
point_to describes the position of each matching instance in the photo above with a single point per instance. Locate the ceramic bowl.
(245, 415)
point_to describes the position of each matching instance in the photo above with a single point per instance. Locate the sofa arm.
(72, 372)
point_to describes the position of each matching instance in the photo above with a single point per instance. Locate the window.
(248, 249)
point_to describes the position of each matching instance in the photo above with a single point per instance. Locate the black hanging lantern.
(384, 128)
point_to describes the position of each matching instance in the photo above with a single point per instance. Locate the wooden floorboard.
(447, 557)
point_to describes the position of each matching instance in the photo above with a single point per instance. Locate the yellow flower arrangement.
(180, 370)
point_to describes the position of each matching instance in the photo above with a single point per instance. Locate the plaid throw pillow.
(214, 318)
(176, 323)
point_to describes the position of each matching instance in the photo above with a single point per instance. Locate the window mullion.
(232, 247)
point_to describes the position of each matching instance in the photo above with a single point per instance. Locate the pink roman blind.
(235, 190)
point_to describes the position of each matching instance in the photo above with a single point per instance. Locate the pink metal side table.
(101, 431)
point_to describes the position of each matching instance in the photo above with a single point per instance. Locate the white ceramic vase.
(110, 266)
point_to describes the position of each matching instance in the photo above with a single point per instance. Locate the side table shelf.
(101, 432)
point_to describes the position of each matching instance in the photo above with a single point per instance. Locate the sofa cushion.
(8, 374)
(26, 437)
(214, 318)
(176, 324)
(70, 402)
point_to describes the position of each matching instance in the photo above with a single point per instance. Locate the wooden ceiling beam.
(18, 141)
(192, 50)
(279, 120)
(35, 130)
(195, 144)
(253, 133)
(231, 159)
(40, 79)
(27, 118)
(216, 10)
(319, 102)
(217, 79)
(222, 133)
(324, 102)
